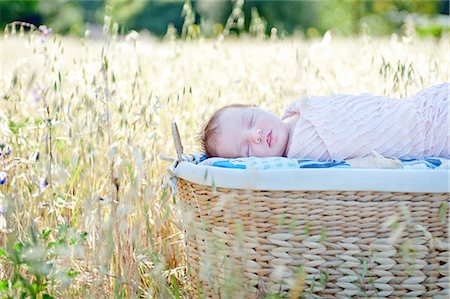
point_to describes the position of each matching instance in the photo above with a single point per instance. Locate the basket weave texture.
(322, 244)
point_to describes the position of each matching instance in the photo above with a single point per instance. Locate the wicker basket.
(321, 233)
(324, 243)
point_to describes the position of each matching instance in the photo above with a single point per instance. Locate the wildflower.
(36, 95)
(45, 32)
(5, 149)
(42, 184)
(2, 177)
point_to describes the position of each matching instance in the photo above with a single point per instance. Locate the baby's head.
(244, 131)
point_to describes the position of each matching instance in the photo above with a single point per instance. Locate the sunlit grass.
(87, 209)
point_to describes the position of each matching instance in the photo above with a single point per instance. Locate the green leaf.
(46, 233)
(176, 292)
(83, 236)
(3, 285)
(14, 80)
(2, 252)
(17, 284)
(14, 127)
(41, 287)
(52, 244)
(18, 247)
(72, 273)
(38, 122)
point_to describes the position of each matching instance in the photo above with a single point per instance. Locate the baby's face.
(250, 132)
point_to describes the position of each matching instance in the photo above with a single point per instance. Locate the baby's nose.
(257, 135)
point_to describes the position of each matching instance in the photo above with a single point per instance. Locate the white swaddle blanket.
(340, 127)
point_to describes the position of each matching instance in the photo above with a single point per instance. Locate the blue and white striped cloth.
(258, 163)
(428, 163)
(288, 163)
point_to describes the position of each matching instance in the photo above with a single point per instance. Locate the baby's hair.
(211, 128)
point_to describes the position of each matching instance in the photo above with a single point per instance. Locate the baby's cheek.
(266, 152)
(258, 152)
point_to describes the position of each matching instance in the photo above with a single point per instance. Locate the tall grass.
(85, 209)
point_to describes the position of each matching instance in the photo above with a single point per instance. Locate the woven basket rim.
(345, 179)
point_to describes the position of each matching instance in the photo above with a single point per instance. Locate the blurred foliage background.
(235, 17)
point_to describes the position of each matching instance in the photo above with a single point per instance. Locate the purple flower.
(5, 149)
(2, 177)
(45, 32)
(42, 184)
(36, 94)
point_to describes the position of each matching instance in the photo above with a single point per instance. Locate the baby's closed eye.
(250, 121)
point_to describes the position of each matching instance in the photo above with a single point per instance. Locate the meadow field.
(85, 208)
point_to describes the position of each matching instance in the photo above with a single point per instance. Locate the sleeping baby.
(362, 129)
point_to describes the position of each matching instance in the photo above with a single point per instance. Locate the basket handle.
(177, 141)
